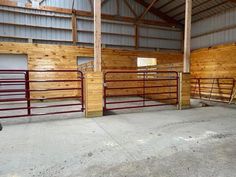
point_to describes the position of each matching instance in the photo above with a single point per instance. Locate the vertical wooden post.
(97, 36)
(187, 35)
(74, 28)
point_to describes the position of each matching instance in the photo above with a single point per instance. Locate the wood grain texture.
(215, 62)
(93, 94)
(127, 60)
(49, 57)
(185, 89)
(60, 57)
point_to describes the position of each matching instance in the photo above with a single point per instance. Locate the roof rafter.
(166, 4)
(81, 13)
(194, 7)
(147, 9)
(130, 8)
(158, 13)
(175, 8)
(204, 10)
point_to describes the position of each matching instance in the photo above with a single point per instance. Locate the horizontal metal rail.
(38, 90)
(135, 107)
(140, 95)
(38, 99)
(30, 81)
(140, 80)
(135, 101)
(117, 88)
(40, 107)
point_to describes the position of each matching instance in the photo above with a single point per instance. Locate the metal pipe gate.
(24, 92)
(213, 89)
(140, 89)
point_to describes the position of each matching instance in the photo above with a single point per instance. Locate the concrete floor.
(198, 142)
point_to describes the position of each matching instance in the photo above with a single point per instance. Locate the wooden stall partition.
(127, 60)
(213, 72)
(49, 57)
(184, 90)
(61, 57)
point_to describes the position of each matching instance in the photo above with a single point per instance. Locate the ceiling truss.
(152, 7)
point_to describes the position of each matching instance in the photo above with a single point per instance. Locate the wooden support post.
(184, 90)
(97, 36)
(74, 28)
(187, 35)
(93, 94)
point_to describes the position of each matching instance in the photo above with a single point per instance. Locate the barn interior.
(118, 88)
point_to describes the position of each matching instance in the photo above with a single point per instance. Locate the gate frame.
(27, 91)
(208, 97)
(143, 87)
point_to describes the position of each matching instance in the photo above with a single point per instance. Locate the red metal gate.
(40, 92)
(137, 89)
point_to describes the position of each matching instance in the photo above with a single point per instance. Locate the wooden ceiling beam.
(147, 9)
(158, 13)
(86, 14)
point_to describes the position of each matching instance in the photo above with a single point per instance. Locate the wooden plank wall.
(219, 61)
(49, 57)
(212, 62)
(215, 62)
(61, 57)
(125, 60)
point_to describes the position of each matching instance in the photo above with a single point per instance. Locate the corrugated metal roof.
(201, 8)
(173, 8)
